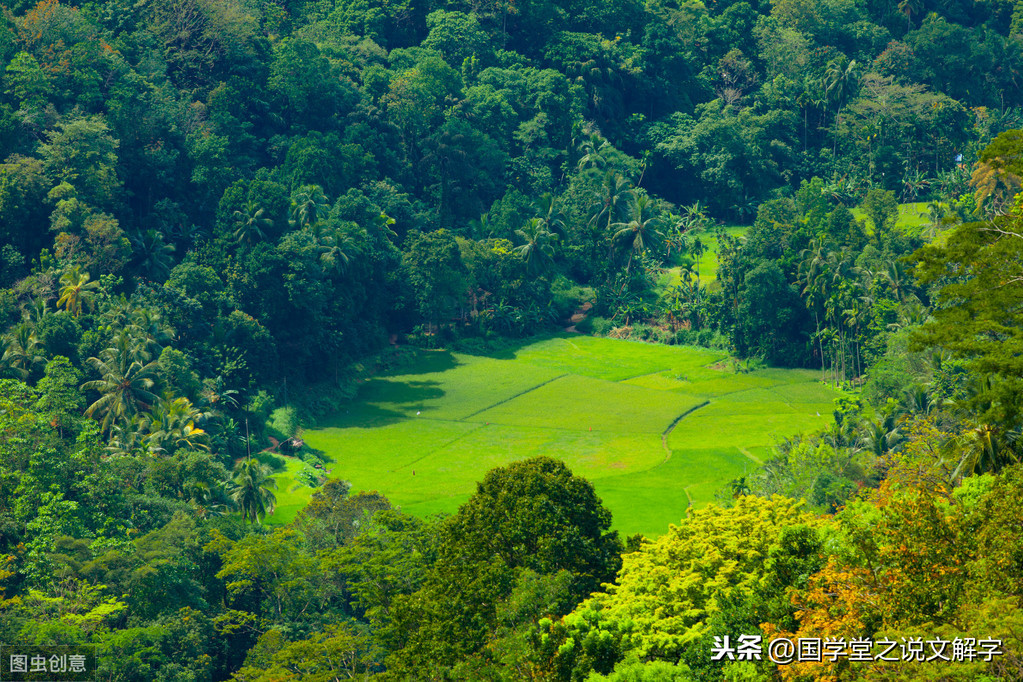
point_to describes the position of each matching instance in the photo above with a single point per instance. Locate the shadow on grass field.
(423, 436)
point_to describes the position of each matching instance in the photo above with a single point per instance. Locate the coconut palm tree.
(309, 206)
(76, 291)
(251, 225)
(593, 149)
(895, 276)
(614, 189)
(252, 492)
(911, 8)
(127, 439)
(154, 258)
(148, 327)
(878, 436)
(211, 501)
(840, 80)
(23, 352)
(639, 233)
(983, 448)
(127, 379)
(481, 228)
(551, 216)
(538, 251)
(171, 424)
(337, 249)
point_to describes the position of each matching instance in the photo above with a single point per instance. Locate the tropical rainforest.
(217, 217)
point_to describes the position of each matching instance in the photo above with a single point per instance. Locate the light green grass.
(609, 409)
(292, 495)
(708, 265)
(453, 386)
(913, 217)
(578, 403)
(612, 359)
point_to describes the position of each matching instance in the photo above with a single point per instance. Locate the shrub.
(602, 326)
(283, 423)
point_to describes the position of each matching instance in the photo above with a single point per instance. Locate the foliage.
(221, 219)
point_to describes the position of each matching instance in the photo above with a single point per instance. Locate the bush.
(601, 326)
(662, 335)
(685, 337)
(310, 476)
(641, 332)
(472, 346)
(283, 423)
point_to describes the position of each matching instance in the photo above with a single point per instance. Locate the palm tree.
(613, 191)
(878, 436)
(739, 487)
(481, 228)
(127, 380)
(538, 251)
(639, 233)
(593, 148)
(550, 215)
(149, 328)
(76, 290)
(127, 439)
(936, 212)
(895, 276)
(984, 448)
(253, 483)
(171, 424)
(840, 80)
(36, 310)
(23, 352)
(910, 8)
(251, 225)
(337, 249)
(153, 256)
(309, 206)
(210, 501)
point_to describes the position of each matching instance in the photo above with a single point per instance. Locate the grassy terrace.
(654, 427)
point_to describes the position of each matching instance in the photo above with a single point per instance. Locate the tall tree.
(538, 249)
(253, 491)
(640, 231)
(76, 291)
(23, 351)
(251, 224)
(128, 378)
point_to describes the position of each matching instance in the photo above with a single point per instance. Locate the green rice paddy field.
(655, 428)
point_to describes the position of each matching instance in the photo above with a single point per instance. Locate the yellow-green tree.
(76, 291)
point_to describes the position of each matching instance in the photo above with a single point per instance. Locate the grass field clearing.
(612, 410)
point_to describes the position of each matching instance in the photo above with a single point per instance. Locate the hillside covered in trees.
(217, 217)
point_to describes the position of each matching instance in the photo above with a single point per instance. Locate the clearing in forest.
(654, 427)
(707, 264)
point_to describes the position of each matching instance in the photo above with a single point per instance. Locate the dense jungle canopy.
(218, 217)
